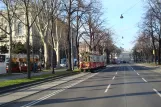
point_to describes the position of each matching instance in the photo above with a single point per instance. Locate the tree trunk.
(28, 51)
(28, 42)
(69, 45)
(159, 52)
(10, 51)
(77, 52)
(10, 55)
(10, 40)
(159, 61)
(57, 44)
(154, 47)
(46, 55)
(53, 61)
(58, 55)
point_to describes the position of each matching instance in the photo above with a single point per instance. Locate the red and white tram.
(89, 62)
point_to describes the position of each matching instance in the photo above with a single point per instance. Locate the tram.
(19, 62)
(90, 62)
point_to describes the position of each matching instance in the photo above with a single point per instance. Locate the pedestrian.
(39, 65)
(19, 65)
(35, 67)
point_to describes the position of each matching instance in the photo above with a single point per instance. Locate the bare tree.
(24, 15)
(82, 9)
(155, 11)
(8, 16)
(69, 8)
(93, 25)
(143, 47)
(45, 23)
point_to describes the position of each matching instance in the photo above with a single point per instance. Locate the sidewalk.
(156, 68)
(22, 75)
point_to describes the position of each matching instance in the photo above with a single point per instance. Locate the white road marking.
(157, 92)
(107, 88)
(138, 73)
(144, 80)
(132, 68)
(116, 73)
(55, 92)
(113, 78)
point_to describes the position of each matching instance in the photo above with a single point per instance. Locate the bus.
(4, 58)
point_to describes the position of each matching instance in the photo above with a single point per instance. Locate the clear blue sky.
(127, 27)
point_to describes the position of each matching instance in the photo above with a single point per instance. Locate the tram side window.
(91, 59)
(88, 59)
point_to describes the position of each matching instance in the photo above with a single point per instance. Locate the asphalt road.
(117, 86)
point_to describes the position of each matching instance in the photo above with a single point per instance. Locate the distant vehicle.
(124, 61)
(90, 62)
(4, 58)
(19, 63)
(64, 63)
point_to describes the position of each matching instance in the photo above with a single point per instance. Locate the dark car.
(124, 61)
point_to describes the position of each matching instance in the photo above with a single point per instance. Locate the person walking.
(35, 67)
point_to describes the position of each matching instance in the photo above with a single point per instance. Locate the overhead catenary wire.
(126, 11)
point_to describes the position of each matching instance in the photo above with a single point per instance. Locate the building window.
(20, 25)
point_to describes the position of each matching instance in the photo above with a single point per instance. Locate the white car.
(63, 65)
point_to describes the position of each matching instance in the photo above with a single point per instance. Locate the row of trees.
(148, 43)
(82, 16)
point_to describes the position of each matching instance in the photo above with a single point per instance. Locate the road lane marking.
(116, 73)
(144, 80)
(55, 92)
(113, 78)
(132, 68)
(157, 92)
(107, 88)
(138, 73)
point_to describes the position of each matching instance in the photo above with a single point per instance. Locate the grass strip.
(34, 78)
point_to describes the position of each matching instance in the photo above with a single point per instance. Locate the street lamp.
(121, 17)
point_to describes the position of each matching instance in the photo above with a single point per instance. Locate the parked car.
(64, 62)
